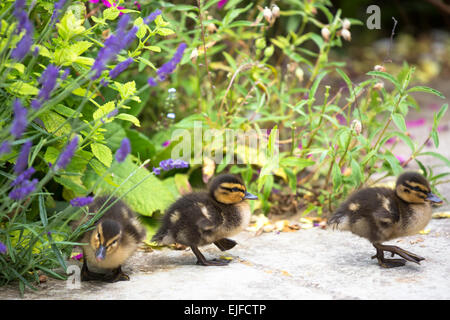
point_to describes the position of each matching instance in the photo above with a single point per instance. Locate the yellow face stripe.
(418, 185)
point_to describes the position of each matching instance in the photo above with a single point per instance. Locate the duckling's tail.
(339, 221)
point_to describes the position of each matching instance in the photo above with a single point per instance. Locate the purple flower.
(391, 140)
(138, 5)
(36, 51)
(65, 74)
(415, 123)
(23, 190)
(121, 67)
(341, 119)
(56, 10)
(152, 16)
(152, 82)
(26, 175)
(22, 48)
(81, 201)
(221, 4)
(20, 119)
(67, 154)
(2, 248)
(113, 45)
(5, 147)
(112, 113)
(166, 143)
(104, 82)
(48, 81)
(123, 150)
(169, 164)
(157, 171)
(170, 66)
(22, 159)
(35, 104)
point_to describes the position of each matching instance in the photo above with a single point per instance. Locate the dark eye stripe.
(233, 189)
(416, 188)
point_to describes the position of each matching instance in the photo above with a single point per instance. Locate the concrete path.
(305, 264)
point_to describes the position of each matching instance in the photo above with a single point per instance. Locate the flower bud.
(211, 28)
(268, 52)
(379, 85)
(299, 74)
(325, 33)
(346, 24)
(267, 13)
(379, 68)
(346, 34)
(194, 55)
(275, 11)
(356, 126)
(260, 43)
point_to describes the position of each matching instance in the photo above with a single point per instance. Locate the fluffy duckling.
(114, 239)
(202, 218)
(382, 214)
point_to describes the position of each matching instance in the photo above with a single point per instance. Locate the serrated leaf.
(153, 48)
(102, 153)
(126, 90)
(146, 62)
(23, 88)
(53, 121)
(111, 13)
(104, 110)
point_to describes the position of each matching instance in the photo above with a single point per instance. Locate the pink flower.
(415, 123)
(78, 256)
(138, 5)
(341, 119)
(109, 5)
(166, 143)
(391, 140)
(221, 4)
(401, 159)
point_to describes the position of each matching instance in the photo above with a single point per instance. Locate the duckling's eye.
(98, 235)
(235, 189)
(114, 242)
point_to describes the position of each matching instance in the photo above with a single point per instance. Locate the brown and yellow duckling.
(202, 218)
(382, 214)
(114, 239)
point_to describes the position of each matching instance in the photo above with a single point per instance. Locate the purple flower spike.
(20, 119)
(65, 74)
(157, 171)
(22, 48)
(56, 10)
(152, 16)
(35, 104)
(22, 159)
(152, 82)
(121, 67)
(169, 164)
(26, 175)
(25, 189)
(67, 154)
(123, 150)
(2, 248)
(48, 81)
(170, 66)
(5, 147)
(81, 201)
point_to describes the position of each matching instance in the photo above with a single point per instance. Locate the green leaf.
(129, 117)
(165, 31)
(111, 13)
(347, 81)
(23, 88)
(53, 121)
(148, 63)
(427, 90)
(441, 112)
(103, 111)
(393, 162)
(141, 146)
(437, 156)
(298, 163)
(399, 121)
(386, 76)
(357, 175)
(126, 90)
(144, 184)
(102, 153)
(336, 176)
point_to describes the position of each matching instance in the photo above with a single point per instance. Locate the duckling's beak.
(433, 198)
(100, 253)
(250, 196)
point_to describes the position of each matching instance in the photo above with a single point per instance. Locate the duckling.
(382, 214)
(202, 218)
(114, 239)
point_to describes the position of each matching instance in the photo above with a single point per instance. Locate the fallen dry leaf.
(441, 215)
(425, 231)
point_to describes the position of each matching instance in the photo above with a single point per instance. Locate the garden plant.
(92, 93)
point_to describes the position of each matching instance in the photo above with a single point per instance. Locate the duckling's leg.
(117, 275)
(225, 244)
(87, 275)
(390, 263)
(201, 260)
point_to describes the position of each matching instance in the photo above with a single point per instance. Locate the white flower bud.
(275, 11)
(267, 13)
(346, 24)
(346, 34)
(379, 68)
(379, 85)
(299, 74)
(325, 33)
(194, 54)
(211, 27)
(356, 125)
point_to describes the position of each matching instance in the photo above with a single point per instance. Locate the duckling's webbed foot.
(87, 275)
(117, 275)
(201, 260)
(391, 263)
(225, 244)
